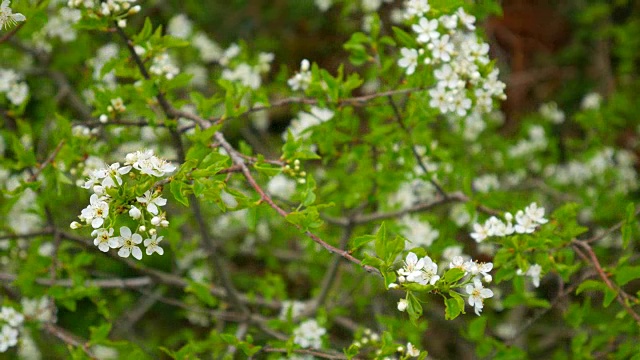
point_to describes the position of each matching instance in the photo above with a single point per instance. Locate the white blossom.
(152, 200)
(591, 101)
(415, 8)
(408, 60)
(402, 305)
(309, 334)
(427, 30)
(180, 26)
(412, 350)
(8, 335)
(477, 294)
(302, 79)
(11, 316)
(419, 233)
(152, 245)
(104, 239)
(7, 17)
(128, 243)
(533, 272)
(96, 212)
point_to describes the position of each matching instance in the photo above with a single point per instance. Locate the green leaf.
(453, 275)
(360, 241)
(414, 308)
(179, 190)
(477, 328)
(625, 274)
(629, 225)
(381, 237)
(100, 333)
(202, 292)
(308, 218)
(452, 310)
(404, 38)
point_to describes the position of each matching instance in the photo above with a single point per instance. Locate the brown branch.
(49, 160)
(592, 259)
(266, 198)
(416, 155)
(167, 278)
(43, 232)
(610, 230)
(116, 283)
(317, 353)
(69, 338)
(352, 101)
(10, 34)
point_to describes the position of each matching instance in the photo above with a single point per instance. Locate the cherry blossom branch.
(237, 159)
(116, 283)
(68, 338)
(316, 353)
(610, 230)
(416, 155)
(352, 101)
(591, 258)
(330, 275)
(49, 160)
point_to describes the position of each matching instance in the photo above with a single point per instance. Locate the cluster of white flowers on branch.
(13, 87)
(424, 271)
(12, 320)
(105, 204)
(459, 58)
(526, 223)
(118, 9)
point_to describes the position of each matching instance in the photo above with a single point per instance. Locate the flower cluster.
(422, 271)
(247, 72)
(60, 25)
(459, 59)
(621, 163)
(533, 272)
(118, 9)
(302, 79)
(309, 334)
(537, 141)
(551, 112)
(418, 232)
(145, 209)
(7, 17)
(12, 86)
(12, 321)
(306, 120)
(163, 66)
(526, 223)
(367, 337)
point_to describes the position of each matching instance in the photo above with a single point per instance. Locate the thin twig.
(116, 283)
(592, 259)
(316, 353)
(49, 160)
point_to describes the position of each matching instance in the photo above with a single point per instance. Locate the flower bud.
(152, 232)
(75, 225)
(155, 221)
(122, 23)
(135, 213)
(393, 286)
(104, 118)
(402, 305)
(488, 278)
(134, 10)
(142, 228)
